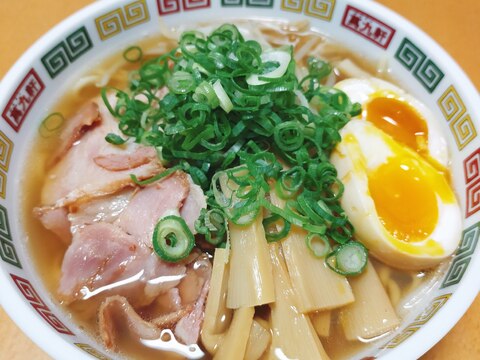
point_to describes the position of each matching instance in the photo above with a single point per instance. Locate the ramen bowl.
(32, 88)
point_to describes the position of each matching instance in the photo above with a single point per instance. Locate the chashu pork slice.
(112, 242)
(117, 315)
(87, 117)
(148, 204)
(93, 167)
(103, 260)
(56, 220)
(153, 202)
(100, 209)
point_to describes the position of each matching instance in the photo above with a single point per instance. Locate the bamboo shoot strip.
(250, 281)
(217, 316)
(306, 271)
(235, 342)
(258, 341)
(372, 313)
(292, 332)
(321, 322)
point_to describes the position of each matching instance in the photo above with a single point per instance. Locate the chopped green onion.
(348, 259)
(181, 82)
(318, 244)
(283, 58)
(238, 120)
(274, 231)
(115, 139)
(219, 179)
(51, 124)
(157, 177)
(289, 135)
(204, 93)
(212, 224)
(133, 54)
(243, 213)
(222, 96)
(290, 182)
(172, 239)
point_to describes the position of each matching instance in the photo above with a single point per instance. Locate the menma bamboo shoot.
(250, 280)
(321, 322)
(258, 341)
(235, 341)
(317, 286)
(217, 317)
(293, 335)
(371, 314)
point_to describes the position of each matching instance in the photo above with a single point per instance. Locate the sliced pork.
(187, 330)
(90, 201)
(112, 244)
(117, 312)
(55, 220)
(103, 259)
(85, 170)
(186, 320)
(101, 209)
(131, 160)
(194, 203)
(151, 203)
(87, 117)
(99, 254)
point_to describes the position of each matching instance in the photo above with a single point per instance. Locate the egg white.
(364, 90)
(362, 150)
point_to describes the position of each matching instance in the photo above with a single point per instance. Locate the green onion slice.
(181, 82)
(274, 230)
(212, 224)
(155, 178)
(133, 54)
(348, 259)
(204, 93)
(115, 139)
(172, 239)
(225, 102)
(290, 182)
(51, 124)
(283, 58)
(318, 244)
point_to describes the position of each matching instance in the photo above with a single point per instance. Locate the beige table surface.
(454, 24)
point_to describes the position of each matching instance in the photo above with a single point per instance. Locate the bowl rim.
(17, 308)
(41, 334)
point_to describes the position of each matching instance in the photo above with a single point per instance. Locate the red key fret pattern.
(37, 303)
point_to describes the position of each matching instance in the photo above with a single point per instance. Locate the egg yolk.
(398, 119)
(405, 199)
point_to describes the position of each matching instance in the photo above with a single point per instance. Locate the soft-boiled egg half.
(400, 115)
(403, 208)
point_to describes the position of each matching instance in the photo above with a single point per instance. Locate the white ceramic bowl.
(31, 88)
